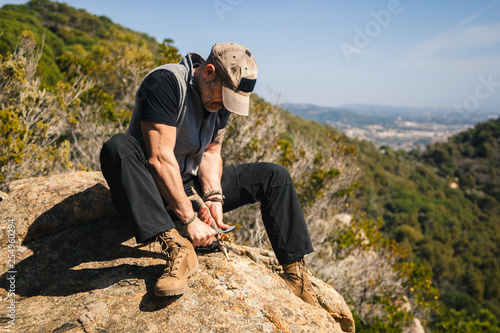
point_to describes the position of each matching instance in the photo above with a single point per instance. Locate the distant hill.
(367, 114)
(397, 127)
(332, 115)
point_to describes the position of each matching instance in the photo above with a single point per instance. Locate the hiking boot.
(181, 263)
(295, 276)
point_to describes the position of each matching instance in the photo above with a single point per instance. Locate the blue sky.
(389, 52)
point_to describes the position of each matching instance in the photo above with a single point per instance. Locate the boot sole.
(176, 292)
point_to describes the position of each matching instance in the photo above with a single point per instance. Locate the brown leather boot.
(295, 275)
(181, 263)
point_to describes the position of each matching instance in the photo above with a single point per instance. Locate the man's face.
(211, 95)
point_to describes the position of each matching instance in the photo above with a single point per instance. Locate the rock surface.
(78, 269)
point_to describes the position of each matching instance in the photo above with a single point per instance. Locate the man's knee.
(116, 142)
(119, 146)
(279, 175)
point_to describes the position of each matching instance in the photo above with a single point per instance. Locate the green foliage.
(454, 231)
(72, 66)
(60, 102)
(382, 295)
(473, 157)
(168, 53)
(315, 184)
(66, 29)
(315, 181)
(376, 326)
(14, 21)
(312, 130)
(27, 117)
(465, 321)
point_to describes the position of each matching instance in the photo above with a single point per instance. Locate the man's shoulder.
(171, 77)
(179, 71)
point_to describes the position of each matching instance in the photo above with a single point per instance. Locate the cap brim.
(238, 103)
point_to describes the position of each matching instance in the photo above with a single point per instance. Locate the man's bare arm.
(210, 173)
(160, 142)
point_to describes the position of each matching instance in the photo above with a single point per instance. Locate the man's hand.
(200, 233)
(216, 212)
(210, 211)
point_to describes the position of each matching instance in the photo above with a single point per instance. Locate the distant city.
(397, 127)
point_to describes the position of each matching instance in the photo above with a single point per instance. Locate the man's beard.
(207, 97)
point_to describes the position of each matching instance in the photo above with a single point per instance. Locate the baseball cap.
(238, 69)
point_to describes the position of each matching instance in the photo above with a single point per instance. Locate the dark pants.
(136, 196)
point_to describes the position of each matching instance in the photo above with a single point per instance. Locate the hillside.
(473, 157)
(64, 29)
(67, 82)
(443, 204)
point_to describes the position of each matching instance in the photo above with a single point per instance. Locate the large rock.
(48, 205)
(79, 270)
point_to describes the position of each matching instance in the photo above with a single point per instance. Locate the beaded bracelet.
(216, 199)
(210, 193)
(191, 219)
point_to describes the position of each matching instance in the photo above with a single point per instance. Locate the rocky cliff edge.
(69, 263)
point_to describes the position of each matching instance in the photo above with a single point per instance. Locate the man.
(174, 141)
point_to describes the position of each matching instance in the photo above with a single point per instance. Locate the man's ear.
(209, 72)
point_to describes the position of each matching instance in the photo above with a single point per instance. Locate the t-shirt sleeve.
(159, 98)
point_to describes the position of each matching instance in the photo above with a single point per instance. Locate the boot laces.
(303, 272)
(165, 240)
(171, 249)
(306, 283)
(172, 256)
